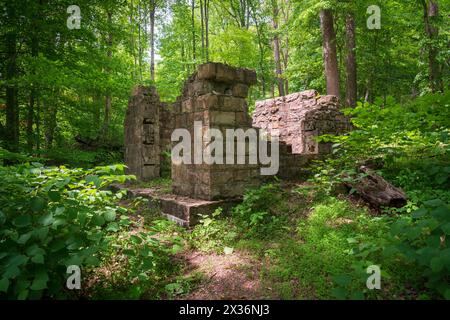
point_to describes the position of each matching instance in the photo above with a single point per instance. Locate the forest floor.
(234, 276)
(302, 248)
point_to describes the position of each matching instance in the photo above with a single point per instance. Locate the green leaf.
(135, 239)
(55, 196)
(38, 285)
(446, 228)
(22, 221)
(17, 260)
(436, 264)
(24, 237)
(447, 294)
(112, 227)
(93, 179)
(40, 281)
(357, 296)
(59, 211)
(39, 258)
(98, 220)
(110, 215)
(92, 261)
(37, 204)
(434, 203)
(339, 293)
(23, 295)
(47, 219)
(176, 249)
(4, 285)
(442, 213)
(419, 213)
(2, 217)
(342, 280)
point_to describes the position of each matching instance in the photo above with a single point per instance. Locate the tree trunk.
(276, 50)
(377, 191)
(108, 98)
(193, 31)
(206, 2)
(50, 123)
(351, 87)
(330, 52)
(202, 17)
(152, 39)
(431, 14)
(140, 54)
(12, 106)
(261, 54)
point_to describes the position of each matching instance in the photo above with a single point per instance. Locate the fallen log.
(377, 191)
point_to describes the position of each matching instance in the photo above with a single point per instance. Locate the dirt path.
(234, 276)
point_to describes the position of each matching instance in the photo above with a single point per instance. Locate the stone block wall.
(142, 134)
(216, 96)
(299, 118)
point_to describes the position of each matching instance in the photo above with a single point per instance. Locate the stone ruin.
(299, 119)
(148, 127)
(216, 95)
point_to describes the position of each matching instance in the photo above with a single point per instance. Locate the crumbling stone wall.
(142, 134)
(216, 96)
(299, 118)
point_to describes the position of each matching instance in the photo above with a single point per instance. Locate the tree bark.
(12, 106)
(377, 191)
(261, 49)
(351, 86)
(206, 2)
(431, 14)
(330, 52)
(276, 50)
(152, 39)
(193, 31)
(202, 17)
(108, 98)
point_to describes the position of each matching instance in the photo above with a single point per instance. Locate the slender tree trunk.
(193, 31)
(206, 3)
(276, 50)
(202, 18)
(351, 87)
(38, 124)
(50, 121)
(330, 52)
(286, 16)
(12, 107)
(261, 57)
(108, 98)
(152, 39)
(431, 14)
(133, 41)
(140, 41)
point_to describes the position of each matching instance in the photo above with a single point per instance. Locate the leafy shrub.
(423, 239)
(213, 233)
(256, 215)
(138, 262)
(51, 218)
